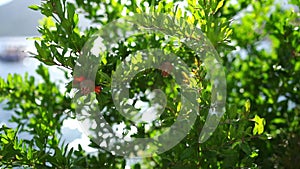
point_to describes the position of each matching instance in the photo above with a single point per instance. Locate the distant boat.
(12, 54)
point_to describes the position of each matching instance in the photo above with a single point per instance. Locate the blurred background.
(17, 19)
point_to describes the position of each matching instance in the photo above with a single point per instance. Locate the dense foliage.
(258, 42)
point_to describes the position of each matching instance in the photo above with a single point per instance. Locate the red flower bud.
(98, 89)
(86, 86)
(78, 79)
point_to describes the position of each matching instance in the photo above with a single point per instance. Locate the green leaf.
(232, 111)
(246, 148)
(29, 153)
(187, 153)
(71, 11)
(70, 153)
(10, 133)
(279, 121)
(247, 106)
(34, 7)
(259, 125)
(220, 4)
(254, 154)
